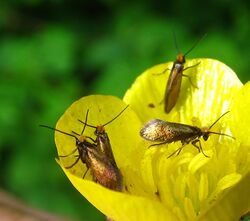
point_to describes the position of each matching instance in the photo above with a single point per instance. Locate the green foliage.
(53, 52)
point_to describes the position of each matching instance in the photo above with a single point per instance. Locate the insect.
(167, 132)
(173, 86)
(102, 139)
(103, 170)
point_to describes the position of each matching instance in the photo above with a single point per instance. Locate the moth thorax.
(180, 58)
(82, 138)
(205, 133)
(99, 130)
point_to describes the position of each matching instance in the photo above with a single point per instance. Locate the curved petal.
(120, 206)
(241, 118)
(122, 132)
(233, 205)
(216, 82)
(189, 183)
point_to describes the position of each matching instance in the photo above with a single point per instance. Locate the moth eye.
(205, 137)
(96, 132)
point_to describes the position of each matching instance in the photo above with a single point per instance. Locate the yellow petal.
(189, 209)
(203, 187)
(217, 85)
(216, 82)
(240, 120)
(234, 204)
(198, 161)
(123, 131)
(185, 183)
(121, 206)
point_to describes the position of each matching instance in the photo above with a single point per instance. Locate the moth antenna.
(85, 123)
(89, 125)
(211, 132)
(115, 116)
(218, 119)
(76, 133)
(196, 43)
(51, 128)
(175, 43)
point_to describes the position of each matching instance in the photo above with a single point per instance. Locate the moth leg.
(69, 153)
(192, 66)
(68, 167)
(178, 150)
(163, 72)
(85, 173)
(157, 144)
(162, 101)
(199, 147)
(189, 78)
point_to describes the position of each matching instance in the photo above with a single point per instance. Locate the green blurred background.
(54, 52)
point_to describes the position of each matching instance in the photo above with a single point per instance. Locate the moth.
(104, 171)
(173, 86)
(102, 138)
(165, 132)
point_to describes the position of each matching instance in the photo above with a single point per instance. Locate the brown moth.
(165, 132)
(104, 171)
(173, 86)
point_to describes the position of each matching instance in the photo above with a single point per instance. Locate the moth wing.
(156, 130)
(172, 89)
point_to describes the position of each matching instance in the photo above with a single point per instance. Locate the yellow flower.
(189, 186)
